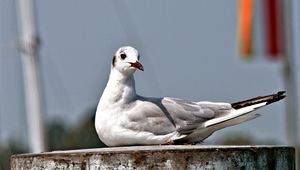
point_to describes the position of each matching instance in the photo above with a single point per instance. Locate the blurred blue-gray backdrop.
(188, 49)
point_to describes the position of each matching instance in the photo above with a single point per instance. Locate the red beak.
(137, 65)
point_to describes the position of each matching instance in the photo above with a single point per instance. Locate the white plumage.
(125, 118)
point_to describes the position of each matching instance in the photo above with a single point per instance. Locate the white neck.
(120, 88)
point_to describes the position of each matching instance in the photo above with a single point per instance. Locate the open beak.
(137, 65)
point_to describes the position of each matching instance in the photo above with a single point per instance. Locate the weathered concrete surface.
(162, 157)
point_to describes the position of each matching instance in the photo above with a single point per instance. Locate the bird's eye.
(123, 56)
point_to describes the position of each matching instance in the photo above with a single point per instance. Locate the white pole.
(29, 53)
(290, 76)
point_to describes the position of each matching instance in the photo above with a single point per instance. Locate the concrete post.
(162, 157)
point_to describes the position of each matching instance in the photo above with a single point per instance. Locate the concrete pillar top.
(162, 157)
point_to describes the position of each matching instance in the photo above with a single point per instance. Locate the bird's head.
(126, 60)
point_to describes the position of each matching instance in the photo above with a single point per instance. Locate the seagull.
(125, 118)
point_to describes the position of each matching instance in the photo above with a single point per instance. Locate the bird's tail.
(246, 106)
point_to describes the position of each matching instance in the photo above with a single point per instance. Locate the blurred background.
(197, 50)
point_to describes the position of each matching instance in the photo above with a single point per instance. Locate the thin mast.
(29, 48)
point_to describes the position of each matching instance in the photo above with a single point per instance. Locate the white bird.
(126, 118)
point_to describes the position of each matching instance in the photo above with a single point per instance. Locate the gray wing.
(161, 116)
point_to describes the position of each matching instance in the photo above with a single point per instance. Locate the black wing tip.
(281, 94)
(269, 99)
(276, 97)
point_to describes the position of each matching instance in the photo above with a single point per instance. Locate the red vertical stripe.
(274, 28)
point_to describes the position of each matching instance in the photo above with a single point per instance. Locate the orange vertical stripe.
(246, 27)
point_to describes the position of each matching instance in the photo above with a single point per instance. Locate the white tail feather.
(234, 113)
